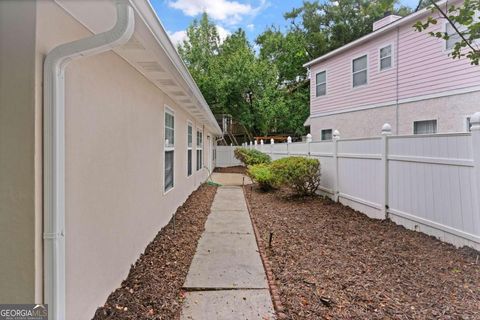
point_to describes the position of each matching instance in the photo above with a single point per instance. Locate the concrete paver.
(226, 279)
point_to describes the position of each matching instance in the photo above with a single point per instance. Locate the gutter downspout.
(397, 49)
(54, 149)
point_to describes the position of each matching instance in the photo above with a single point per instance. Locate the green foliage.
(267, 90)
(250, 157)
(262, 174)
(299, 173)
(467, 27)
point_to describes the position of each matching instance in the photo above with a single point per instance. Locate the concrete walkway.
(226, 279)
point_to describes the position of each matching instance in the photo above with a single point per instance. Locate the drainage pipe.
(54, 149)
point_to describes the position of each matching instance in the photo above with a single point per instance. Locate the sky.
(251, 15)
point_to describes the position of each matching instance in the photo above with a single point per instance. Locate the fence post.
(272, 142)
(309, 139)
(261, 145)
(289, 140)
(475, 129)
(386, 131)
(336, 137)
(251, 143)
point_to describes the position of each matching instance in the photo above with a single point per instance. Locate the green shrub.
(250, 157)
(301, 174)
(262, 174)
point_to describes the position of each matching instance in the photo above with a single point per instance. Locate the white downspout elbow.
(54, 149)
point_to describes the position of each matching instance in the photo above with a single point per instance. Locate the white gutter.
(400, 22)
(54, 149)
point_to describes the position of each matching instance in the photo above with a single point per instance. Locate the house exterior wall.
(18, 196)
(422, 69)
(115, 199)
(451, 113)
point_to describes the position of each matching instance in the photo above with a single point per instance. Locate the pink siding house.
(393, 75)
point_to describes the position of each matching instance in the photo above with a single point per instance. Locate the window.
(425, 127)
(359, 69)
(453, 36)
(386, 57)
(169, 149)
(321, 83)
(326, 134)
(189, 149)
(199, 150)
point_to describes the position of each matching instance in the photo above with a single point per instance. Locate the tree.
(465, 23)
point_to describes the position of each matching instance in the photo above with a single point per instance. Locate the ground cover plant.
(331, 262)
(153, 287)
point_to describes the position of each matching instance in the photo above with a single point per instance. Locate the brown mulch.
(332, 262)
(234, 169)
(152, 289)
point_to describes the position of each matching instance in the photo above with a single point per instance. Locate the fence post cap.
(255, 142)
(475, 121)
(272, 141)
(251, 142)
(386, 129)
(289, 139)
(336, 134)
(309, 137)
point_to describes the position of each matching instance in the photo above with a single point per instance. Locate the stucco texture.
(115, 200)
(17, 152)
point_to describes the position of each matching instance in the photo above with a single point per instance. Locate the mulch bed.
(234, 169)
(153, 288)
(331, 262)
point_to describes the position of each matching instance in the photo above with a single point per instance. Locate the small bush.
(301, 174)
(262, 174)
(250, 157)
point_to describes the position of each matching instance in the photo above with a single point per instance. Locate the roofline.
(177, 61)
(388, 27)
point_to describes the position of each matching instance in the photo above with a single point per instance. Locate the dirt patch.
(331, 262)
(235, 169)
(152, 289)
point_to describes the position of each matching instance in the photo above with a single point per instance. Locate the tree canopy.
(267, 88)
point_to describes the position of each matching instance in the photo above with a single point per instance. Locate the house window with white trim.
(199, 150)
(453, 36)
(321, 83)
(326, 134)
(189, 149)
(386, 57)
(169, 149)
(359, 71)
(425, 127)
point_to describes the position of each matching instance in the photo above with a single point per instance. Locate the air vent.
(179, 93)
(166, 82)
(151, 66)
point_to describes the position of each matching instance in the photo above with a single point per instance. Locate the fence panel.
(431, 186)
(428, 183)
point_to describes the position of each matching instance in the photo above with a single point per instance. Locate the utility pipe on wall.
(54, 148)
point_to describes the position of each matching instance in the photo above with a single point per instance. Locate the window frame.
(321, 134)
(366, 69)
(476, 18)
(392, 54)
(316, 83)
(190, 148)
(425, 120)
(199, 147)
(168, 148)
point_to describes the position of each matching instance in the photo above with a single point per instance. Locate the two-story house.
(393, 75)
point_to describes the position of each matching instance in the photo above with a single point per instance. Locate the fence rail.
(428, 183)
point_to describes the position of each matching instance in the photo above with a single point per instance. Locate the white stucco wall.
(115, 200)
(450, 113)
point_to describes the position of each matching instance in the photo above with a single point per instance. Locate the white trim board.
(393, 103)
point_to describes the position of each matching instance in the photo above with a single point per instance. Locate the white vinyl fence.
(428, 183)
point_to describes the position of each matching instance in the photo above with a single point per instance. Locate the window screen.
(359, 71)
(199, 150)
(189, 150)
(425, 127)
(169, 129)
(327, 134)
(168, 170)
(385, 57)
(321, 84)
(169, 149)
